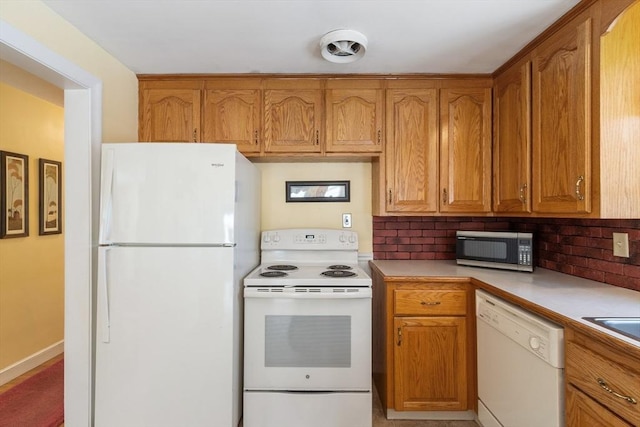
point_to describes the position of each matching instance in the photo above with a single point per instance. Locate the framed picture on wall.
(14, 197)
(50, 197)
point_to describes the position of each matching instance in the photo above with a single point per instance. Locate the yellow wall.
(32, 267)
(120, 85)
(26, 82)
(276, 213)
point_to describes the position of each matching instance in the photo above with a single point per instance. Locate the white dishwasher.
(520, 366)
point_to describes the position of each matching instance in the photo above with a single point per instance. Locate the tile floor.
(380, 421)
(378, 415)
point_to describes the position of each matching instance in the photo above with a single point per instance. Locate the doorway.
(83, 117)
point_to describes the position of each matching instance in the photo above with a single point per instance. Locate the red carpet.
(36, 402)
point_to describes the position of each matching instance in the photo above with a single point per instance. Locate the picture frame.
(318, 191)
(50, 197)
(14, 197)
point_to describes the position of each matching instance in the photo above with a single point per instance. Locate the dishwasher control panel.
(540, 336)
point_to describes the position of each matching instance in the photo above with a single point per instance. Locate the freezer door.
(168, 338)
(167, 193)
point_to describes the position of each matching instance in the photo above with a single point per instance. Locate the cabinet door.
(465, 150)
(233, 116)
(430, 363)
(512, 140)
(354, 120)
(412, 150)
(293, 120)
(582, 411)
(170, 115)
(562, 120)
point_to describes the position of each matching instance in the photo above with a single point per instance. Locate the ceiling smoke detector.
(343, 46)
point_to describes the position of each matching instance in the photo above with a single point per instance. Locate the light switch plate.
(621, 244)
(346, 220)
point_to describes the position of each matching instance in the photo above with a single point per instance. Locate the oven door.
(307, 340)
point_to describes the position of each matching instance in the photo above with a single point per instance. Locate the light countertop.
(567, 296)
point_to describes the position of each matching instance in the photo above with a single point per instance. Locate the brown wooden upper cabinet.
(169, 112)
(232, 113)
(465, 149)
(619, 150)
(293, 116)
(562, 119)
(583, 157)
(354, 116)
(411, 151)
(438, 148)
(512, 140)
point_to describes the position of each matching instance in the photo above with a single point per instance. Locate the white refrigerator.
(179, 229)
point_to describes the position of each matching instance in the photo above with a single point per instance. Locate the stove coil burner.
(339, 267)
(338, 273)
(273, 274)
(282, 267)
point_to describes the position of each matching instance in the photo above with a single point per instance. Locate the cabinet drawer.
(592, 373)
(429, 302)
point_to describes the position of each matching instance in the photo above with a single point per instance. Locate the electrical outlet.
(621, 244)
(346, 220)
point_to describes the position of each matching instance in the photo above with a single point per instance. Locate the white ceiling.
(282, 36)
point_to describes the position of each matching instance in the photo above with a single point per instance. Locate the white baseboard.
(28, 363)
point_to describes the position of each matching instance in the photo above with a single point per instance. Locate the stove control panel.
(309, 239)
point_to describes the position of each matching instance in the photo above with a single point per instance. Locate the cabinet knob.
(390, 197)
(256, 137)
(195, 135)
(317, 137)
(444, 196)
(399, 336)
(379, 136)
(579, 195)
(430, 303)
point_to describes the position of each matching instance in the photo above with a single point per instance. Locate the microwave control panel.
(524, 252)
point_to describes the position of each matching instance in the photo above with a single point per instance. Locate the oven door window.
(308, 341)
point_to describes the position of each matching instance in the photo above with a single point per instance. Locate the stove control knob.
(342, 238)
(352, 238)
(266, 238)
(276, 238)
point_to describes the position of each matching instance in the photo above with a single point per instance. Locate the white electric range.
(307, 342)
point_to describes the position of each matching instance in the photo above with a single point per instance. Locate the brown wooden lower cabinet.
(430, 363)
(424, 355)
(582, 411)
(602, 381)
(423, 344)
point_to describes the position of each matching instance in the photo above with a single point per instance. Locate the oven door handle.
(292, 294)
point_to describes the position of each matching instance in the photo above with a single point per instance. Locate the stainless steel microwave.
(495, 249)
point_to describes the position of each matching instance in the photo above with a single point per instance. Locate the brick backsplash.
(580, 247)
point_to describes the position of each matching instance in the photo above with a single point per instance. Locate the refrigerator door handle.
(106, 197)
(103, 295)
